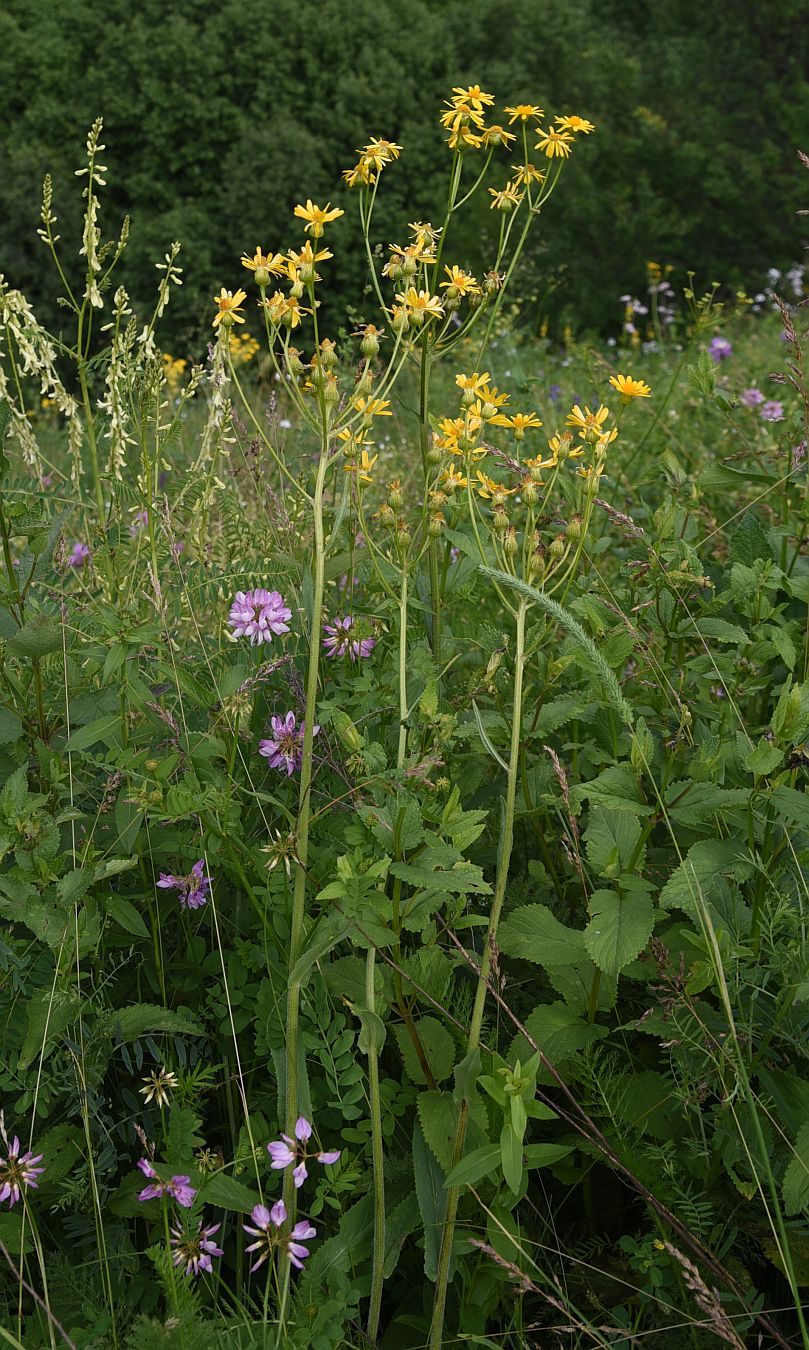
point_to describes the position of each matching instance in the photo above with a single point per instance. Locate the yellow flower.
(497, 135)
(420, 305)
(461, 116)
(575, 123)
(373, 407)
(306, 258)
(451, 478)
(474, 95)
(229, 305)
(629, 388)
(563, 445)
(317, 216)
(275, 306)
(491, 400)
(427, 235)
(461, 138)
(505, 199)
(460, 282)
(263, 264)
(361, 172)
(587, 421)
(518, 422)
(554, 142)
(363, 467)
(489, 489)
(525, 174)
(243, 348)
(379, 152)
(473, 384)
(521, 112)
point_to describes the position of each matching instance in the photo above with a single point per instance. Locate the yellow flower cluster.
(174, 371)
(243, 347)
(372, 159)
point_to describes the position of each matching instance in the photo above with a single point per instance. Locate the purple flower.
(195, 1251)
(338, 643)
(285, 1151)
(555, 393)
(179, 1188)
(719, 348)
(772, 411)
(138, 522)
(78, 555)
(752, 397)
(259, 615)
(285, 749)
(18, 1170)
(267, 1220)
(193, 889)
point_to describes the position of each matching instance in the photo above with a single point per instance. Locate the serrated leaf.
(432, 1200)
(39, 636)
(791, 803)
(701, 870)
(618, 929)
(438, 1046)
(796, 1176)
(461, 879)
(611, 839)
(533, 933)
(559, 1033)
(438, 1117)
(399, 1224)
(141, 1019)
(763, 758)
(225, 1191)
(48, 1016)
(714, 630)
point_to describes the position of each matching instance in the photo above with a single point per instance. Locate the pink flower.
(285, 749)
(772, 411)
(18, 1171)
(752, 397)
(285, 1151)
(179, 1188)
(339, 643)
(78, 555)
(719, 348)
(268, 1223)
(193, 888)
(259, 615)
(195, 1252)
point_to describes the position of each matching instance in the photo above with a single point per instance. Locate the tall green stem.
(473, 1038)
(377, 1269)
(424, 442)
(304, 810)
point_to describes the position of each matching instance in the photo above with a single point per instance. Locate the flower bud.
(346, 730)
(227, 320)
(386, 515)
(536, 564)
(296, 290)
(370, 342)
(306, 272)
(402, 535)
(529, 492)
(331, 390)
(499, 520)
(557, 547)
(433, 455)
(294, 362)
(436, 525)
(409, 267)
(489, 409)
(364, 384)
(262, 277)
(476, 299)
(573, 528)
(492, 283)
(328, 355)
(395, 496)
(510, 544)
(467, 398)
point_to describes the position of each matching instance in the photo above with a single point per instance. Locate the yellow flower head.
(575, 123)
(473, 384)
(372, 407)
(459, 283)
(474, 96)
(307, 256)
(521, 112)
(519, 423)
(554, 143)
(561, 446)
(461, 115)
(317, 216)
(489, 489)
(629, 388)
(461, 138)
(380, 152)
(228, 307)
(420, 305)
(426, 235)
(361, 172)
(263, 265)
(497, 135)
(587, 422)
(525, 174)
(362, 468)
(452, 478)
(505, 199)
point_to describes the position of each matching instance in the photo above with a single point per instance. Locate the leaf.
(140, 1019)
(611, 839)
(225, 1191)
(783, 644)
(763, 759)
(183, 1136)
(511, 1157)
(10, 726)
(559, 1033)
(327, 933)
(128, 820)
(39, 636)
(480, 1163)
(399, 1224)
(372, 1032)
(484, 736)
(126, 916)
(792, 804)
(438, 1046)
(48, 1017)
(545, 1155)
(461, 879)
(432, 1200)
(345, 1251)
(535, 934)
(618, 929)
(106, 728)
(575, 631)
(717, 630)
(701, 870)
(796, 1176)
(438, 1117)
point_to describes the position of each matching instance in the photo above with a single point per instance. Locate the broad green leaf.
(511, 1157)
(764, 758)
(338, 1255)
(796, 1176)
(714, 630)
(141, 1019)
(126, 916)
(533, 933)
(611, 839)
(226, 1192)
(39, 636)
(792, 804)
(438, 1047)
(618, 929)
(462, 879)
(399, 1224)
(700, 872)
(327, 934)
(545, 1155)
(480, 1163)
(438, 1116)
(48, 1016)
(432, 1199)
(106, 728)
(10, 726)
(559, 1033)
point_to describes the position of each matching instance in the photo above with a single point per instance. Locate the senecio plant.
(286, 841)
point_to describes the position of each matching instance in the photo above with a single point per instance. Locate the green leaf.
(438, 1046)
(700, 872)
(618, 929)
(796, 1176)
(399, 1224)
(533, 933)
(141, 1019)
(432, 1200)
(128, 820)
(48, 1016)
(545, 1155)
(764, 758)
(480, 1163)
(328, 932)
(462, 879)
(714, 630)
(792, 804)
(559, 1033)
(39, 636)
(511, 1157)
(225, 1191)
(10, 726)
(372, 1032)
(348, 1248)
(611, 838)
(438, 1117)
(183, 1136)
(106, 728)
(484, 736)
(126, 916)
